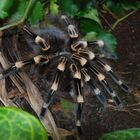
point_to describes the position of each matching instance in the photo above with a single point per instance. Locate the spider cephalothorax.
(70, 58)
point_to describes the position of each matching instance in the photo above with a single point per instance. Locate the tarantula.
(74, 58)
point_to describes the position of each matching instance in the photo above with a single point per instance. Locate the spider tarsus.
(117, 101)
(78, 117)
(47, 104)
(125, 88)
(43, 111)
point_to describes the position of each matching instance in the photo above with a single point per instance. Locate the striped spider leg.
(96, 90)
(60, 69)
(39, 59)
(101, 78)
(71, 29)
(79, 95)
(110, 72)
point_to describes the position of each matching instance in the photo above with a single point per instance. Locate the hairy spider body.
(70, 59)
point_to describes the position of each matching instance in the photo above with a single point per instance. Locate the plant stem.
(20, 21)
(121, 19)
(109, 11)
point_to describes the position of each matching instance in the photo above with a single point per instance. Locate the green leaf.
(127, 5)
(120, 8)
(116, 8)
(35, 14)
(5, 5)
(109, 41)
(87, 25)
(128, 134)
(18, 11)
(3, 14)
(68, 7)
(90, 13)
(90, 36)
(54, 7)
(138, 4)
(16, 124)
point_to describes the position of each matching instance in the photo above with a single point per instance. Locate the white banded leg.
(78, 117)
(77, 82)
(60, 69)
(78, 58)
(86, 53)
(78, 91)
(84, 44)
(102, 81)
(45, 46)
(96, 90)
(109, 71)
(79, 44)
(80, 47)
(20, 64)
(71, 28)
